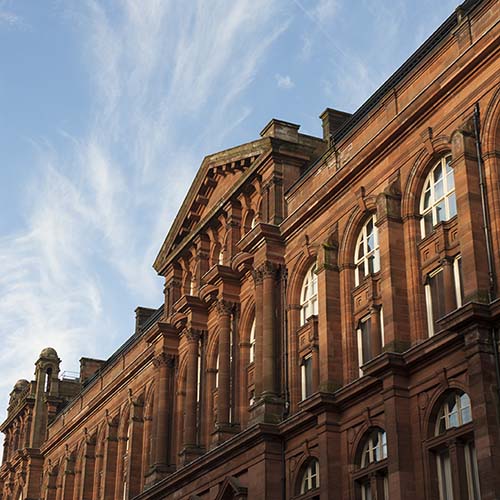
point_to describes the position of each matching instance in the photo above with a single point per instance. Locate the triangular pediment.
(232, 489)
(217, 176)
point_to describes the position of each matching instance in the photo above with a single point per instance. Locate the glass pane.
(452, 205)
(365, 334)
(450, 178)
(444, 475)
(452, 412)
(428, 222)
(465, 408)
(438, 190)
(371, 264)
(377, 449)
(439, 211)
(427, 199)
(370, 241)
(361, 250)
(438, 174)
(384, 445)
(361, 270)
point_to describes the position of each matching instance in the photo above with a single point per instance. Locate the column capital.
(192, 334)
(226, 307)
(164, 359)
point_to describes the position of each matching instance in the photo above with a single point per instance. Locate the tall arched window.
(452, 449)
(367, 255)
(309, 295)
(308, 482)
(371, 478)
(438, 202)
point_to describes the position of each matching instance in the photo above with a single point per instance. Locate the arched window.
(367, 255)
(375, 448)
(252, 342)
(309, 295)
(454, 412)
(371, 478)
(308, 478)
(438, 202)
(452, 449)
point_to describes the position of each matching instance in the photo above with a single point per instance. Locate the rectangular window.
(306, 376)
(435, 294)
(472, 472)
(457, 276)
(434, 297)
(444, 475)
(364, 342)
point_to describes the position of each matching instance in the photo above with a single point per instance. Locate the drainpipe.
(487, 234)
(284, 281)
(286, 392)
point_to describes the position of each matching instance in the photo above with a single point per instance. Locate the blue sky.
(107, 109)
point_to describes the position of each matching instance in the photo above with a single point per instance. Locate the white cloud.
(168, 81)
(9, 18)
(325, 10)
(284, 81)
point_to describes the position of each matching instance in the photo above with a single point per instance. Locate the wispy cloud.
(8, 17)
(284, 81)
(168, 85)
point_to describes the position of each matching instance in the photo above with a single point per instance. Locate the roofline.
(398, 76)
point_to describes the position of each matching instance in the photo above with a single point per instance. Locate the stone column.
(329, 334)
(68, 478)
(483, 392)
(375, 332)
(110, 460)
(88, 470)
(135, 446)
(269, 405)
(224, 310)
(257, 276)
(399, 436)
(191, 448)
(470, 224)
(268, 329)
(164, 364)
(393, 269)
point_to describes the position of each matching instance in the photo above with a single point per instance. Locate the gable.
(217, 176)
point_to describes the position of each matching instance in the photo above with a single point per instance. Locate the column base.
(269, 409)
(189, 453)
(223, 432)
(156, 473)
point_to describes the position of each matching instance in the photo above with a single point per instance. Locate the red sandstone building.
(330, 321)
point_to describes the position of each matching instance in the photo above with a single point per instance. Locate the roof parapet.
(280, 129)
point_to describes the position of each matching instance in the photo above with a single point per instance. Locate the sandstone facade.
(329, 328)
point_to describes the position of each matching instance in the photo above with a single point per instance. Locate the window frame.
(305, 480)
(429, 185)
(454, 442)
(309, 295)
(364, 260)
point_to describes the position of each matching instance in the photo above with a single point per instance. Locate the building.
(329, 328)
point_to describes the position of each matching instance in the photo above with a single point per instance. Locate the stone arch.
(350, 234)
(490, 131)
(296, 277)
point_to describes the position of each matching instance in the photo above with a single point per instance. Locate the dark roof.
(400, 74)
